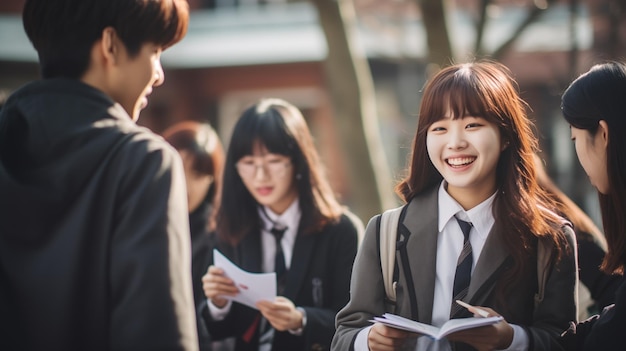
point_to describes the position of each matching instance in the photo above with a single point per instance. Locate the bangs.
(267, 129)
(170, 24)
(465, 92)
(163, 23)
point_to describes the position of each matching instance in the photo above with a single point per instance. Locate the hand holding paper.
(253, 287)
(216, 285)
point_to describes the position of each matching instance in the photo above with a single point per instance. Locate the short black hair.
(64, 31)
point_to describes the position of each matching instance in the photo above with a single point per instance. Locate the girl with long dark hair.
(595, 107)
(279, 214)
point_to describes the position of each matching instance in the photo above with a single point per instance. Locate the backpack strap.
(544, 255)
(388, 235)
(544, 252)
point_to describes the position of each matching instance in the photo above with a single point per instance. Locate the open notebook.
(447, 328)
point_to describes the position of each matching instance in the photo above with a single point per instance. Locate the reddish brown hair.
(487, 89)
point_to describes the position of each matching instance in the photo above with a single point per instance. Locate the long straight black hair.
(600, 95)
(280, 127)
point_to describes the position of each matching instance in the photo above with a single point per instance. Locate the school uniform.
(421, 284)
(319, 268)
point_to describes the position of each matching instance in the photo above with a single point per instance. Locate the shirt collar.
(289, 218)
(448, 207)
(481, 215)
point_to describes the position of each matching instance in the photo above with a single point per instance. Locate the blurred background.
(356, 67)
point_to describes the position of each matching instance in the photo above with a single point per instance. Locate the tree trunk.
(480, 26)
(434, 18)
(352, 92)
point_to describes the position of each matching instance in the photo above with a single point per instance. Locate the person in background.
(471, 229)
(278, 214)
(202, 153)
(598, 288)
(594, 106)
(94, 233)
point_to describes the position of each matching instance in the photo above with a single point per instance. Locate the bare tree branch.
(480, 26)
(533, 15)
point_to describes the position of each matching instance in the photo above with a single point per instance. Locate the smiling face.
(591, 151)
(465, 151)
(136, 76)
(269, 178)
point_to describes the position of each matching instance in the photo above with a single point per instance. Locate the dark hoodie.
(94, 233)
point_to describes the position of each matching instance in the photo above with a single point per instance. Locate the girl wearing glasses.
(278, 214)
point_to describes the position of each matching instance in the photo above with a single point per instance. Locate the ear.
(109, 45)
(603, 132)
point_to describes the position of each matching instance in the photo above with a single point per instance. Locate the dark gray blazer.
(415, 299)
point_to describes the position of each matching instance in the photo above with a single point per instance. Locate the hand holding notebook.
(447, 328)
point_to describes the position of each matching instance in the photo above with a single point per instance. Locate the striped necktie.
(463, 269)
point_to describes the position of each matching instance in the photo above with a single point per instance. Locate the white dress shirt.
(291, 219)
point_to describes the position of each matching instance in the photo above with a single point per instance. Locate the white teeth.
(461, 161)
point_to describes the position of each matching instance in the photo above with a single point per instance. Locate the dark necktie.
(266, 332)
(463, 269)
(279, 260)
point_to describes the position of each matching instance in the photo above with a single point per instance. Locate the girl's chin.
(264, 200)
(143, 102)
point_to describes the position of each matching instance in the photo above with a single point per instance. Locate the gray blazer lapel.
(491, 258)
(421, 221)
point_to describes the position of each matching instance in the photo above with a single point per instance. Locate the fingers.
(383, 338)
(273, 310)
(215, 284)
(493, 337)
(281, 313)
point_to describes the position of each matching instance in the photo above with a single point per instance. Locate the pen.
(473, 309)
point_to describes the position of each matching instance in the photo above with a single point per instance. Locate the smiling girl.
(470, 189)
(273, 182)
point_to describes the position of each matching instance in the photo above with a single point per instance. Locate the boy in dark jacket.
(94, 235)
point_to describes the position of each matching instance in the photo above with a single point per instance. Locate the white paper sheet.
(253, 287)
